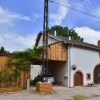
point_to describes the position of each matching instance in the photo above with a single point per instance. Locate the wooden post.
(28, 84)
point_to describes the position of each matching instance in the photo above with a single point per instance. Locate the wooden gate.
(78, 79)
(97, 75)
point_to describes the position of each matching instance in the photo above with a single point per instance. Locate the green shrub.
(31, 82)
(1, 78)
(38, 78)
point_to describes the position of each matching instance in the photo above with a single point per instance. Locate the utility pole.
(45, 40)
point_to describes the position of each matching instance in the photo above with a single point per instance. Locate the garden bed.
(10, 89)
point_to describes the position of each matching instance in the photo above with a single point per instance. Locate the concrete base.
(44, 87)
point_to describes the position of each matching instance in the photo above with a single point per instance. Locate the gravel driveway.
(60, 93)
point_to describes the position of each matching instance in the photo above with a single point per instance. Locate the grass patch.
(78, 97)
(96, 95)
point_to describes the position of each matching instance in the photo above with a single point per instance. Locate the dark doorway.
(78, 79)
(97, 75)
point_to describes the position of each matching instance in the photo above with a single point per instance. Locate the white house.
(82, 65)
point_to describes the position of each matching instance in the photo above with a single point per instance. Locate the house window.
(88, 76)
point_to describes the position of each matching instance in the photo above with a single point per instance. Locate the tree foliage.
(3, 51)
(65, 32)
(23, 59)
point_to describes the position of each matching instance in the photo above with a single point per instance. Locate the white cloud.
(89, 35)
(7, 17)
(36, 15)
(61, 13)
(13, 42)
(97, 11)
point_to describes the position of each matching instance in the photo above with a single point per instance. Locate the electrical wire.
(90, 5)
(75, 3)
(74, 9)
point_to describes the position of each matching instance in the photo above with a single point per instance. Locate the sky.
(22, 20)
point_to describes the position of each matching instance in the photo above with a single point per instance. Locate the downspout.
(69, 66)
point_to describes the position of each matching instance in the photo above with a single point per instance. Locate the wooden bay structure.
(57, 52)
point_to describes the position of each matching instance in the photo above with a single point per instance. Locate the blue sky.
(21, 20)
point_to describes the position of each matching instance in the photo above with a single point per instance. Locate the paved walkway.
(60, 93)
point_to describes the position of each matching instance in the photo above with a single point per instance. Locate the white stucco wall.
(50, 41)
(64, 73)
(61, 75)
(85, 60)
(59, 70)
(40, 43)
(35, 70)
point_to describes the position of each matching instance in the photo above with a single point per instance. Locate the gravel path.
(60, 93)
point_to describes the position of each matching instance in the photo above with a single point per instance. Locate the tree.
(23, 59)
(3, 51)
(65, 32)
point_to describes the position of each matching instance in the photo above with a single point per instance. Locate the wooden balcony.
(57, 52)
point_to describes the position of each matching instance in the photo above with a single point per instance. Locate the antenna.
(45, 40)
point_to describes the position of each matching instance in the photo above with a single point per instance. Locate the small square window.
(88, 76)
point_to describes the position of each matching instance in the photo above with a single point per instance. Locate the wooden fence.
(22, 78)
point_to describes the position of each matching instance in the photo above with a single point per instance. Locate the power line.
(90, 5)
(74, 9)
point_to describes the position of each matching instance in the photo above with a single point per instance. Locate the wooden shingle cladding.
(57, 52)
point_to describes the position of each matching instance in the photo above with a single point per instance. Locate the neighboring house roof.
(38, 38)
(84, 44)
(72, 42)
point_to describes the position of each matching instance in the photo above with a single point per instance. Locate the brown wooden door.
(78, 79)
(97, 75)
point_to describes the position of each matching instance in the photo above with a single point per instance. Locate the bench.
(90, 84)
